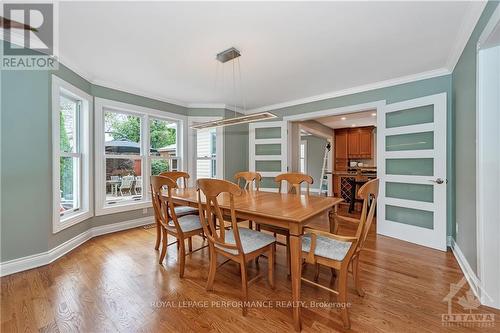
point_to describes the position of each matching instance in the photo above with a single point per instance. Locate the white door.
(411, 148)
(267, 151)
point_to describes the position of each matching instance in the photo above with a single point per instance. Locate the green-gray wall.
(315, 154)
(464, 103)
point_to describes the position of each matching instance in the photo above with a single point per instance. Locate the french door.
(411, 149)
(267, 151)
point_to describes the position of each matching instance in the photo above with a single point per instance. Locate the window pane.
(123, 179)
(416, 217)
(69, 183)
(68, 124)
(205, 168)
(410, 166)
(417, 192)
(268, 149)
(414, 116)
(163, 137)
(411, 141)
(122, 133)
(263, 166)
(205, 143)
(268, 133)
(159, 166)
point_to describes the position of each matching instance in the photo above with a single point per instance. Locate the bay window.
(132, 143)
(71, 154)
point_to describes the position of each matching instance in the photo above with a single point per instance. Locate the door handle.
(439, 181)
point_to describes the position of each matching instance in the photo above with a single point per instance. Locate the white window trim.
(86, 202)
(219, 157)
(100, 174)
(304, 142)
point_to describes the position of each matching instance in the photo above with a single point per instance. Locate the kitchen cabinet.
(351, 144)
(341, 149)
(366, 142)
(360, 143)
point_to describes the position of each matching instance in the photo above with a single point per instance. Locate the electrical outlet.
(144, 211)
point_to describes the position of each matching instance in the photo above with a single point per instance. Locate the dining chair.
(252, 183)
(238, 244)
(181, 228)
(294, 181)
(252, 180)
(341, 252)
(184, 176)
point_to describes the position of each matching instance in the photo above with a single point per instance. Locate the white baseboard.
(45, 258)
(469, 274)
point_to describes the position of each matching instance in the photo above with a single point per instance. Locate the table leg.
(332, 215)
(296, 267)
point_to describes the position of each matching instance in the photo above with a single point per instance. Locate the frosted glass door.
(412, 171)
(267, 151)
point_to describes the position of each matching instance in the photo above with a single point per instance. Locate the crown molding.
(315, 98)
(468, 25)
(355, 90)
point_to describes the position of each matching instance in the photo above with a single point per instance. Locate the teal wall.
(464, 103)
(315, 154)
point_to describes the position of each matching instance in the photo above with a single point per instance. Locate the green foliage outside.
(121, 127)
(66, 163)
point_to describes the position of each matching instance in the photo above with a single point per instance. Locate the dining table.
(285, 210)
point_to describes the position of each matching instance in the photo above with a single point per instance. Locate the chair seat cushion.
(187, 223)
(326, 247)
(185, 210)
(251, 240)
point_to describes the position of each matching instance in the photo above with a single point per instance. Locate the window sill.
(61, 224)
(125, 207)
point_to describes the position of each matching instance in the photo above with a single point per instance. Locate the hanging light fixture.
(232, 54)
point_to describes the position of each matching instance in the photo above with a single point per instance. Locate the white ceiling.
(290, 50)
(358, 119)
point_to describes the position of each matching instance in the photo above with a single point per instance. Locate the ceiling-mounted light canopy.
(228, 54)
(235, 121)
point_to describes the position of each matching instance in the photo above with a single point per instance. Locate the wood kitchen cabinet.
(360, 142)
(341, 149)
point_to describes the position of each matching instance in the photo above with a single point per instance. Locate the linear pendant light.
(236, 120)
(230, 55)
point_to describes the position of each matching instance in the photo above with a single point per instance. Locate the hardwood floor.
(114, 283)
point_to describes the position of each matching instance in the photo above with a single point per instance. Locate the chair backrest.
(250, 178)
(175, 175)
(138, 181)
(211, 213)
(294, 180)
(369, 193)
(127, 182)
(162, 200)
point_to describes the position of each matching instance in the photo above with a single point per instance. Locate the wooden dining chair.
(251, 183)
(179, 210)
(181, 228)
(341, 252)
(238, 244)
(294, 181)
(252, 180)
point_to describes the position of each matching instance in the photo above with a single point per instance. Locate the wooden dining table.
(289, 211)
